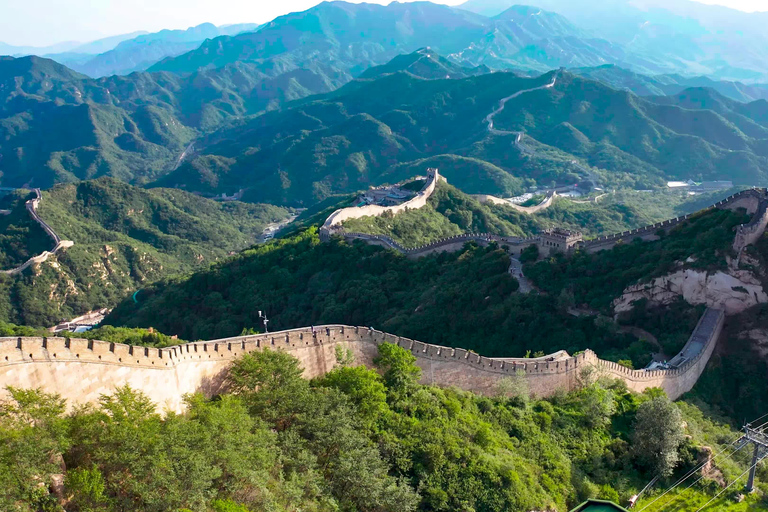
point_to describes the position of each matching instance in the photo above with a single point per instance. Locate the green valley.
(125, 237)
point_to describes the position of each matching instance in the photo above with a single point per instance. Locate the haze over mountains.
(699, 39)
(57, 125)
(124, 54)
(344, 34)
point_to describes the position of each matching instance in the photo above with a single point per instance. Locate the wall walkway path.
(59, 244)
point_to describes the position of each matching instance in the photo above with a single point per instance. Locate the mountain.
(373, 131)
(349, 33)
(355, 36)
(354, 137)
(700, 39)
(144, 50)
(69, 47)
(661, 85)
(423, 63)
(105, 44)
(57, 125)
(450, 212)
(125, 237)
(708, 139)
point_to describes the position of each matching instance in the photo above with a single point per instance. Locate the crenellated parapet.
(749, 199)
(82, 370)
(754, 201)
(332, 224)
(451, 243)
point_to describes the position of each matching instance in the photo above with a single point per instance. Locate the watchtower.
(559, 240)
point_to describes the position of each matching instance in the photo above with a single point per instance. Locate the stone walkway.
(516, 269)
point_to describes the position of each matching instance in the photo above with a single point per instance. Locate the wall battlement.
(82, 370)
(455, 242)
(333, 223)
(754, 200)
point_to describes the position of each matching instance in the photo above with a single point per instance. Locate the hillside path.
(516, 269)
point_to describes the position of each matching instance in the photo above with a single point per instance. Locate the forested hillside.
(355, 439)
(449, 212)
(124, 238)
(465, 299)
(59, 126)
(20, 236)
(661, 85)
(374, 131)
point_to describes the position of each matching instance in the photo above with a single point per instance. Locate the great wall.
(82, 370)
(59, 244)
(754, 201)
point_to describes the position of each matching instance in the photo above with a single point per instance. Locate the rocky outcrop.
(732, 291)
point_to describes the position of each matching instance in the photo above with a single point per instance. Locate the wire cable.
(697, 480)
(730, 484)
(688, 475)
(699, 466)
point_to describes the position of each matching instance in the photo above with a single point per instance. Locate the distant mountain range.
(126, 53)
(384, 129)
(699, 39)
(645, 36)
(59, 126)
(352, 37)
(71, 47)
(661, 85)
(141, 52)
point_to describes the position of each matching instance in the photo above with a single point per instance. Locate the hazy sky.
(45, 22)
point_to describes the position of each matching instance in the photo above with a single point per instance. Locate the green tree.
(85, 488)
(271, 385)
(33, 435)
(227, 506)
(658, 433)
(364, 387)
(399, 366)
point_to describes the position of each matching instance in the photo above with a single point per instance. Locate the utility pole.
(264, 319)
(760, 442)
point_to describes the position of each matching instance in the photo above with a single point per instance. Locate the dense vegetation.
(702, 242)
(57, 125)
(124, 238)
(372, 131)
(464, 299)
(354, 439)
(20, 236)
(450, 211)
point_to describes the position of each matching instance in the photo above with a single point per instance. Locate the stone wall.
(543, 205)
(82, 370)
(59, 244)
(334, 221)
(747, 234)
(450, 244)
(752, 200)
(675, 381)
(749, 199)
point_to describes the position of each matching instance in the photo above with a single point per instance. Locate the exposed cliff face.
(733, 291)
